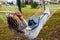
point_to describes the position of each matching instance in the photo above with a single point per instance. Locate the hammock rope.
(34, 33)
(30, 33)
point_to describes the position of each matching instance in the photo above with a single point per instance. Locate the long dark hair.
(12, 23)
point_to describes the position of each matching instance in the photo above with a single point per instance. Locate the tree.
(19, 5)
(44, 4)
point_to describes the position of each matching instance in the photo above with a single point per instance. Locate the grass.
(53, 5)
(50, 31)
(26, 10)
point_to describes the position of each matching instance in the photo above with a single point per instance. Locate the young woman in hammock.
(22, 26)
(31, 30)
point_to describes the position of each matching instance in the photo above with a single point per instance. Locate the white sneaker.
(28, 28)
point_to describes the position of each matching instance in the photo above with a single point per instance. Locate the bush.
(23, 4)
(34, 5)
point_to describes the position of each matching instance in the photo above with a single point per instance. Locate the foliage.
(23, 4)
(34, 5)
(59, 1)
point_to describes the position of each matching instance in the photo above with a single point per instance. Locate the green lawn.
(53, 5)
(50, 31)
(25, 11)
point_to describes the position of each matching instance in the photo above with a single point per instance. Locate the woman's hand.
(19, 14)
(17, 19)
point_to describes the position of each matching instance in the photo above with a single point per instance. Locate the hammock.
(36, 23)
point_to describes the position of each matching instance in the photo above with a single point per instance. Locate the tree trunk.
(19, 5)
(44, 4)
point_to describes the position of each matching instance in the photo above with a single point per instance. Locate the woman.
(22, 26)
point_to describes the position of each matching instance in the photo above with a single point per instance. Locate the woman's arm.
(19, 14)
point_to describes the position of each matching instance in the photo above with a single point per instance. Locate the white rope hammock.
(34, 33)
